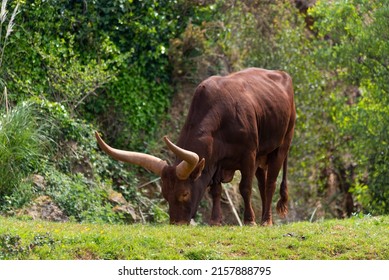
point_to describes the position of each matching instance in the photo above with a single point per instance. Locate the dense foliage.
(355, 53)
(70, 67)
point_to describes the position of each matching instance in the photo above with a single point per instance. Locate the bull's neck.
(199, 145)
(202, 144)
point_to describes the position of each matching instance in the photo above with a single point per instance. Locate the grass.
(355, 238)
(22, 142)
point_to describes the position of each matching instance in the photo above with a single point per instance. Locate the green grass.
(22, 142)
(355, 238)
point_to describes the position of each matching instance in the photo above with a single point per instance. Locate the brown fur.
(243, 121)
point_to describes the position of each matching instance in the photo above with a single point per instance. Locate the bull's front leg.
(216, 193)
(245, 188)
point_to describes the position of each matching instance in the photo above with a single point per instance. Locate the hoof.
(267, 223)
(250, 223)
(215, 223)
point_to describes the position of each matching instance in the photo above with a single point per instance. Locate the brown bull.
(243, 121)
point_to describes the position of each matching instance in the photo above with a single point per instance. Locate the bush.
(78, 177)
(22, 145)
(80, 198)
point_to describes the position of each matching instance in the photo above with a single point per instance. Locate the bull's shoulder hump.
(236, 81)
(209, 87)
(276, 76)
(279, 76)
(210, 83)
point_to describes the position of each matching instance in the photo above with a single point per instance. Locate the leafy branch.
(10, 26)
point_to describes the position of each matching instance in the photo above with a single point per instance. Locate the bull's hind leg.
(275, 161)
(216, 216)
(245, 188)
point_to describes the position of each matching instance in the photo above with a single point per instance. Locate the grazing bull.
(243, 121)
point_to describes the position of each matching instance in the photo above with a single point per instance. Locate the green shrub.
(76, 175)
(81, 199)
(22, 144)
(141, 104)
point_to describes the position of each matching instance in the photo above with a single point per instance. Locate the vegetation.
(22, 143)
(128, 68)
(355, 54)
(355, 238)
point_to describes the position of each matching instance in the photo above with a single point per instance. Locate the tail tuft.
(282, 207)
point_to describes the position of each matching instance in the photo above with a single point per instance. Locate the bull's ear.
(198, 170)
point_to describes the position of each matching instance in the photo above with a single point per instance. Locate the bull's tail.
(282, 207)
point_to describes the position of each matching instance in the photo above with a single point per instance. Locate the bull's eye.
(184, 196)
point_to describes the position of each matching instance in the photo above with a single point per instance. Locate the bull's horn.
(189, 160)
(149, 162)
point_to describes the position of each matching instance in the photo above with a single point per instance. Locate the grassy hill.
(355, 238)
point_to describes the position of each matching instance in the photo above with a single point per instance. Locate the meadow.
(357, 238)
(128, 69)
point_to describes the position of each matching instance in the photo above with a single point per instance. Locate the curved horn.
(189, 160)
(149, 162)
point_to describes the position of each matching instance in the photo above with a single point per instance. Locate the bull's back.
(272, 95)
(249, 109)
(262, 107)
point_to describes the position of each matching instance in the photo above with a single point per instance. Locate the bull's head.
(177, 180)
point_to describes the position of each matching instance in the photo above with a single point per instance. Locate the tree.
(354, 46)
